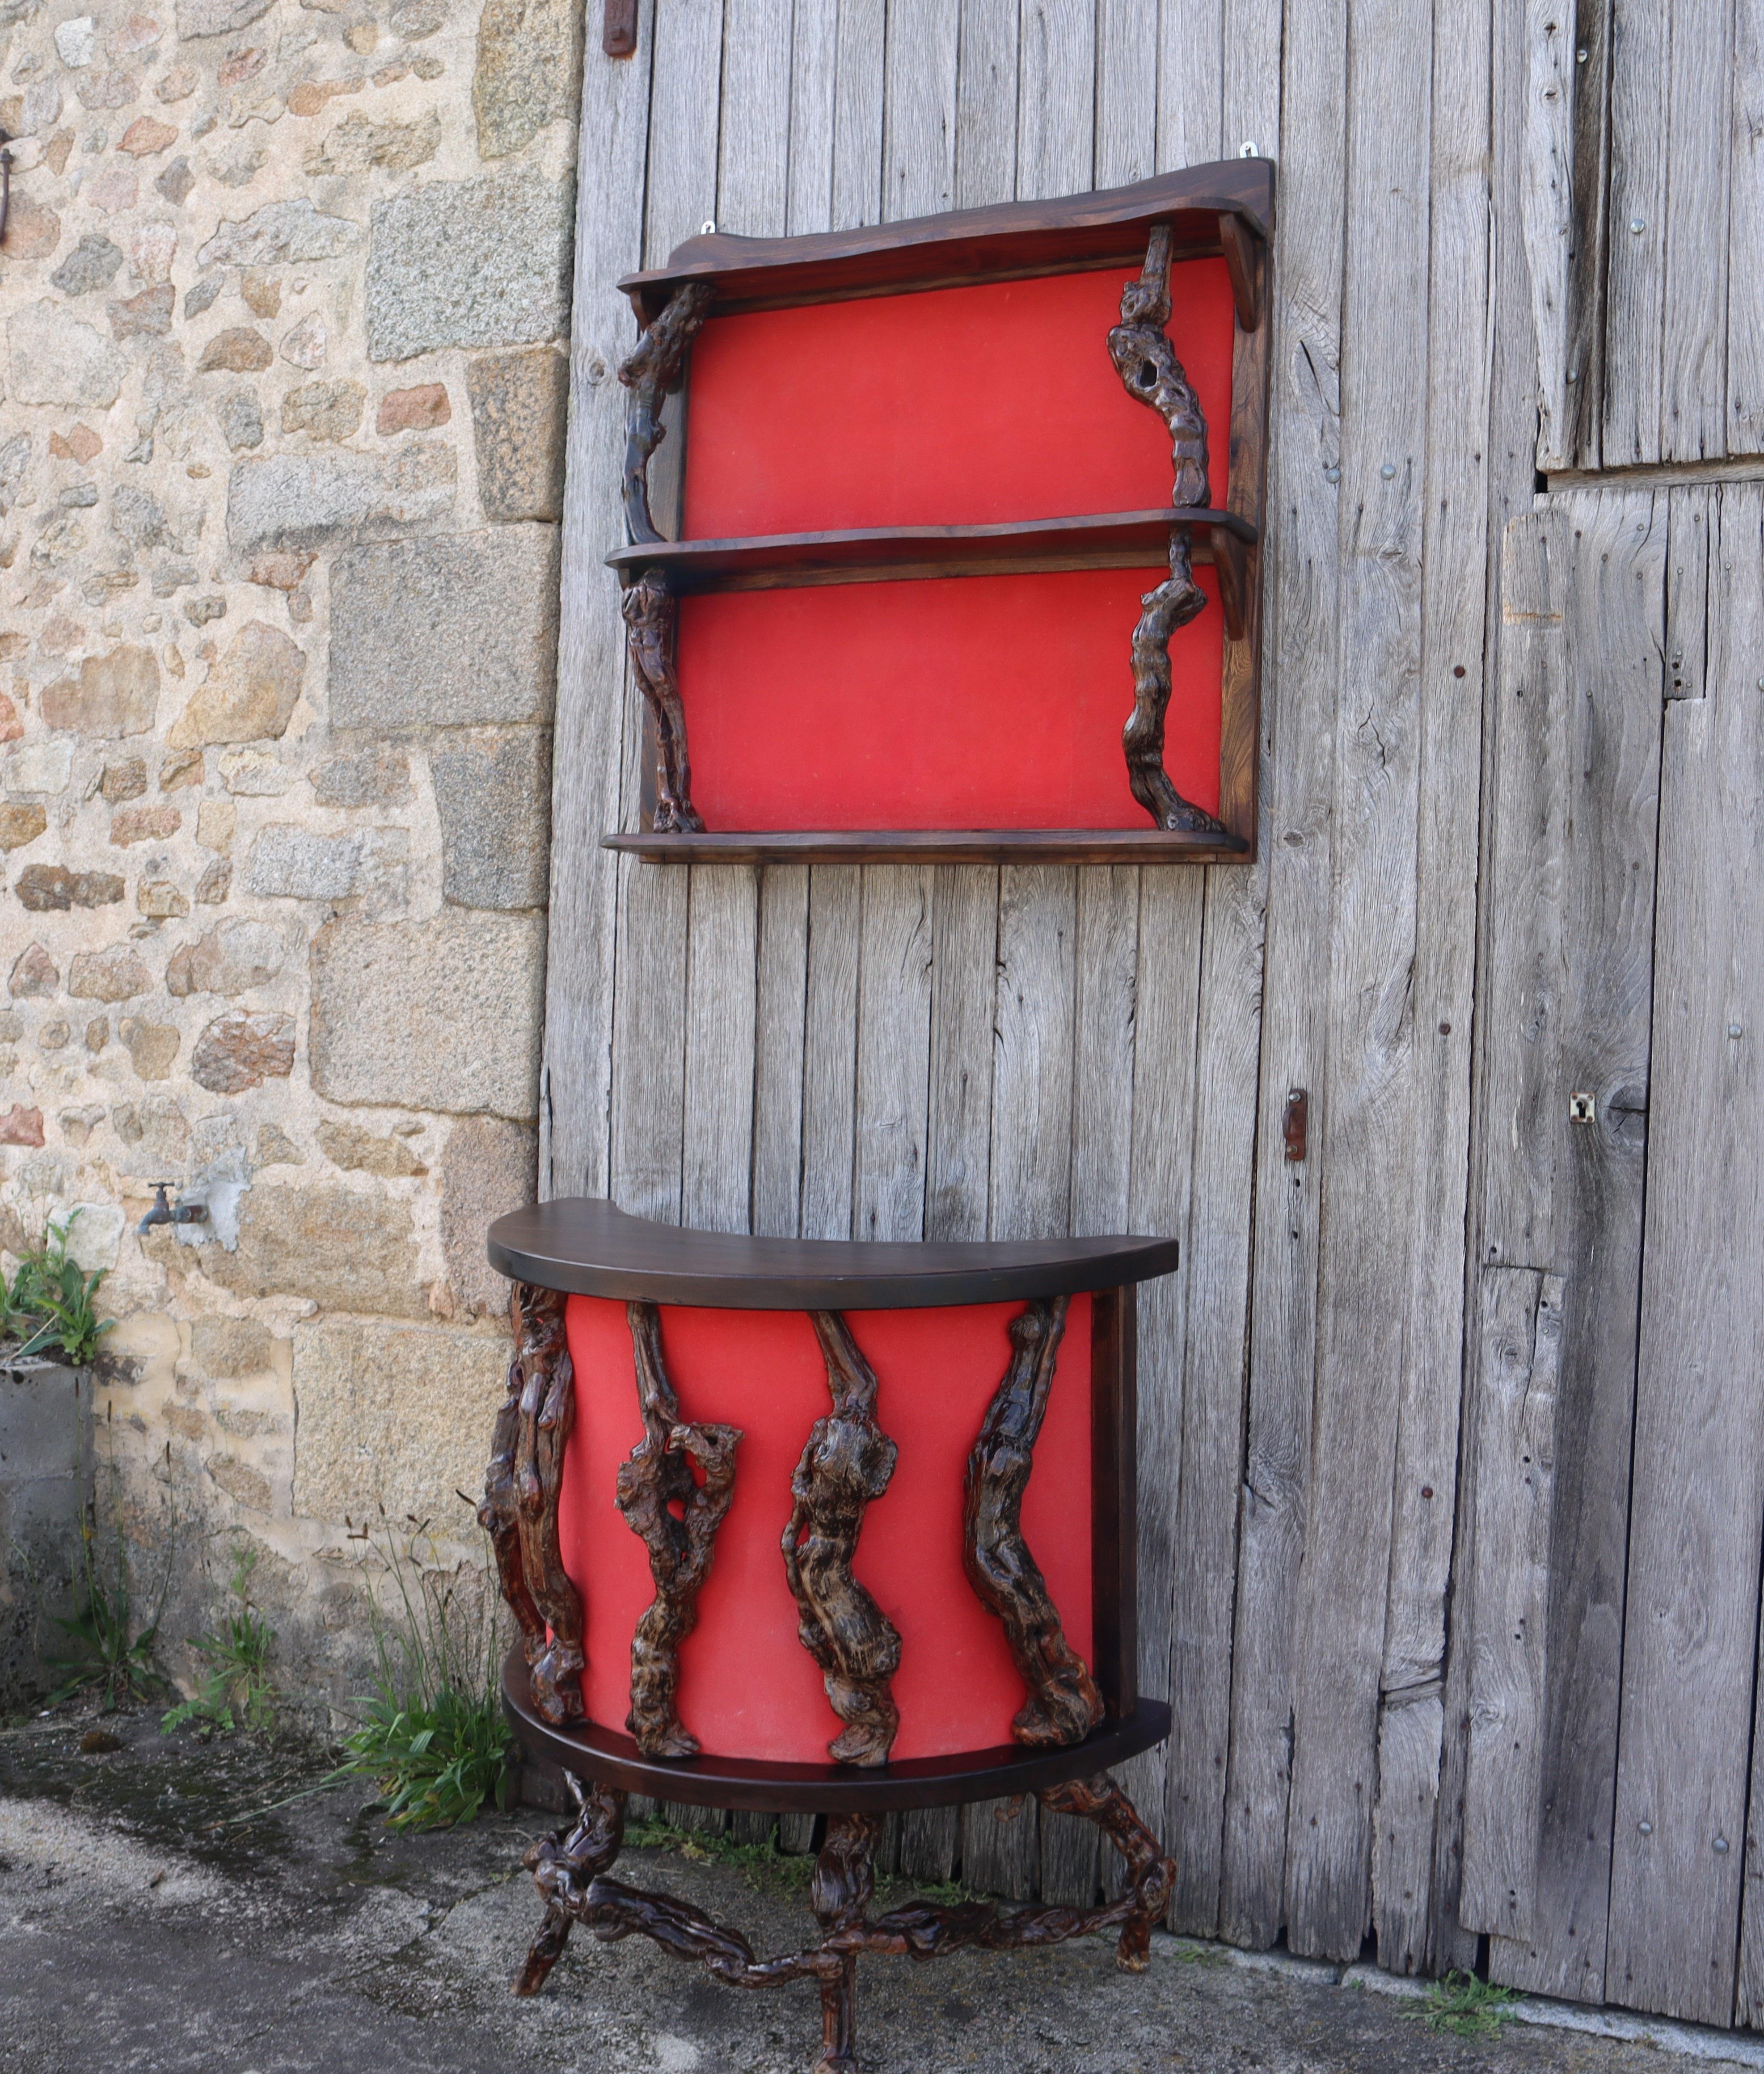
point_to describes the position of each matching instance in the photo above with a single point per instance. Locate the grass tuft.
(433, 1737)
(1466, 2006)
(234, 1691)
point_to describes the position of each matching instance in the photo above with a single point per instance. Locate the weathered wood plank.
(1589, 188)
(1745, 235)
(1641, 76)
(1298, 708)
(649, 1035)
(1587, 973)
(1370, 1197)
(1215, 1351)
(723, 918)
(1031, 1194)
(1547, 215)
(1691, 1624)
(780, 1029)
(1190, 81)
(893, 1053)
(1687, 593)
(919, 119)
(1126, 92)
(1693, 349)
(1166, 1007)
(1514, 1439)
(1566, 1009)
(1454, 612)
(586, 762)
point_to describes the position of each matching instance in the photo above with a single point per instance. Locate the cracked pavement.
(145, 1928)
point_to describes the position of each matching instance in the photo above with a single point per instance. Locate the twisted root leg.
(564, 1865)
(569, 1869)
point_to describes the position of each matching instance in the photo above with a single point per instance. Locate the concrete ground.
(145, 1927)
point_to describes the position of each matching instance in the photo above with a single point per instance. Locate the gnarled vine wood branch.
(1063, 1704)
(652, 371)
(657, 1477)
(547, 1412)
(847, 1462)
(649, 610)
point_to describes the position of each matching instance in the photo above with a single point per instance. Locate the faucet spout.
(163, 1213)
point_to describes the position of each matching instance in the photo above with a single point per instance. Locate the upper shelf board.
(1015, 239)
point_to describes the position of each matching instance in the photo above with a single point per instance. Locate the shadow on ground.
(145, 1926)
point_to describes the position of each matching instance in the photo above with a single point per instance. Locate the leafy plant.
(768, 1869)
(432, 1738)
(1467, 2007)
(109, 1653)
(50, 1301)
(235, 1690)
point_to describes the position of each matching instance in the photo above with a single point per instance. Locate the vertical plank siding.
(1445, 1668)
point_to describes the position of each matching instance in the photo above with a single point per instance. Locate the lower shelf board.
(611, 1759)
(936, 846)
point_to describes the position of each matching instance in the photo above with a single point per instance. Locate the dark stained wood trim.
(601, 1754)
(938, 846)
(1114, 1544)
(896, 553)
(1012, 241)
(587, 1245)
(1240, 681)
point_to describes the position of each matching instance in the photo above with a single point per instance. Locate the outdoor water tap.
(163, 1213)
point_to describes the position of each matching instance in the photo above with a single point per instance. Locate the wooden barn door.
(1608, 1593)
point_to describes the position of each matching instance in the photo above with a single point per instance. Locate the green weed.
(235, 1690)
(49, 1302)
(109, 1653)
(433, 1737)
(1466, 2006)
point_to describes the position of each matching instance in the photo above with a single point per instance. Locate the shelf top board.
(588, 1246)
(1011, 238)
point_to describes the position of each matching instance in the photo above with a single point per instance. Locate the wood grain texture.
(1745, 235)
(1300, 700)
(1693, 1574)
(1454, 614)
(1693, 343)
(1366, 1263)
(1548, 222)
(1566, 1009)
(1513, 1438)
(1641, 83)
(591, 703)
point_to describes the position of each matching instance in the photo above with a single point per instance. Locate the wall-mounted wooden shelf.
(908, 400)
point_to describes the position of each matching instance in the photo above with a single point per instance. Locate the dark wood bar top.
(587, 1245)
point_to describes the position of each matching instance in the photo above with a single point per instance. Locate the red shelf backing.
(970, 702)
(956, 407)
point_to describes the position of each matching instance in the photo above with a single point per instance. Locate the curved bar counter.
(828, 1527)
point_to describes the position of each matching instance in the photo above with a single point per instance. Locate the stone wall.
(283, 302)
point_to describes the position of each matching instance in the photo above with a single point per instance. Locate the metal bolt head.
(1734, 1030)
(1721, 1846)
(1646, 1828)
(1638, 224)
(1582, 54)
(1388, 470)
(1334, 475)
